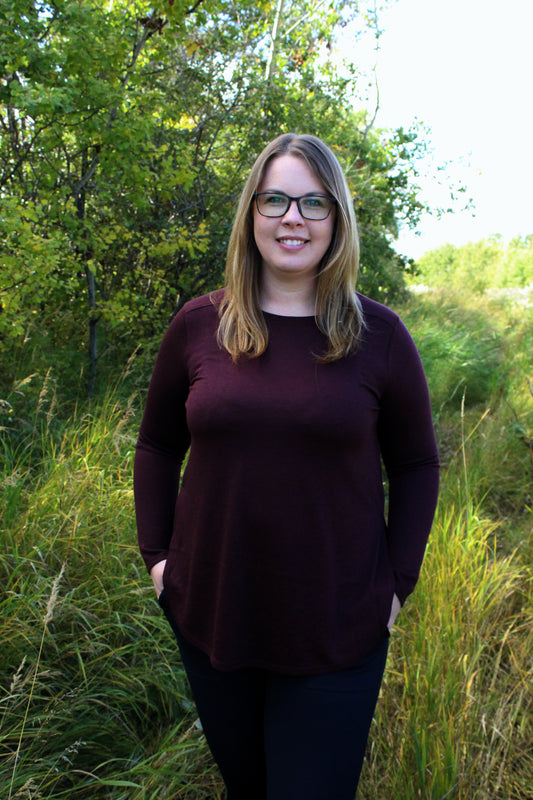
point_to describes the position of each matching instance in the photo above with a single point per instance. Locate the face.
(291, 246)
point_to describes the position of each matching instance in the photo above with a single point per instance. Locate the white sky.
(464, 68)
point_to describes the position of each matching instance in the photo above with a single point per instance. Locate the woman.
(274, 563)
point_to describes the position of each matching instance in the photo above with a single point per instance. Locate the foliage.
(93, 700)
(479, 266)
(126, 130)
(476, 352)
(464, 355)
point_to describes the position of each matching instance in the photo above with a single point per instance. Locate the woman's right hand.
(395, 610)
(157, 576)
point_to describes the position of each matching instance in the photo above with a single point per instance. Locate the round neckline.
(289, 316)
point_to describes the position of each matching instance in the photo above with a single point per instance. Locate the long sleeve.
(161, 447)
(409, 451)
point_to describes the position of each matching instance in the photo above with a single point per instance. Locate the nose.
(293, 213)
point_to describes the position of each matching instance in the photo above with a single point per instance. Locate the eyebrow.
(313, 192)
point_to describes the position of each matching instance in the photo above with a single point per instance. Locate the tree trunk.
(85, 254)
(93, 321)
(271, 63)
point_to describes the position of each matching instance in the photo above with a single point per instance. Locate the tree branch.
(271, 62)
(370, 125)
(305, 16)
(79, 187)
(194, 7)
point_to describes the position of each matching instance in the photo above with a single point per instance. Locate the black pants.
(280, 737)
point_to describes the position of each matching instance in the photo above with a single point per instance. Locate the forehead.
(290, 174)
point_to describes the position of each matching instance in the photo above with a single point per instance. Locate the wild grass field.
(93, 700)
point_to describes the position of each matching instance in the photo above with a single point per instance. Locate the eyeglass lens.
(276, 204)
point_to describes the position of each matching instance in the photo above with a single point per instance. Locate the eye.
(274, 199)
(315, 202)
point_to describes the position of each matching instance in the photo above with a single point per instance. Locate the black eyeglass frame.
(332, 200)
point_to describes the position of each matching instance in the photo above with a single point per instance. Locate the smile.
(292, 242)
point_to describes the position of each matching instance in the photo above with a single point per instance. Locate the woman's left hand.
(395, 608)
(157, 576)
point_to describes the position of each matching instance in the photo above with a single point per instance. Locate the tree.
(479, 266)
(78, 136)
(127, 129)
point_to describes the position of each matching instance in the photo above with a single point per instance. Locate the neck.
(289, 301)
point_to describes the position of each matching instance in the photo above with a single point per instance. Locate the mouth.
(289, 241)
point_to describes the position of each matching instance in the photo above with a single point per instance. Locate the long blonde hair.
(242, 329)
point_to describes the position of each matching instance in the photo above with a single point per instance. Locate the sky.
(464, 69)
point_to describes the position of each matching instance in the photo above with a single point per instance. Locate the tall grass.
(89, 692)
(455, 715)
(93, 700)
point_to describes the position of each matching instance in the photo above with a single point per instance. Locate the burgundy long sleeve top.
(279, 553)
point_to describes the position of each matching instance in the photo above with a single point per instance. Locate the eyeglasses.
(310, 206)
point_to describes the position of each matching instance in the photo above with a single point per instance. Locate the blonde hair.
(242, 329)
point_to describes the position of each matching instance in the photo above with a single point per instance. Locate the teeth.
(292, 241)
